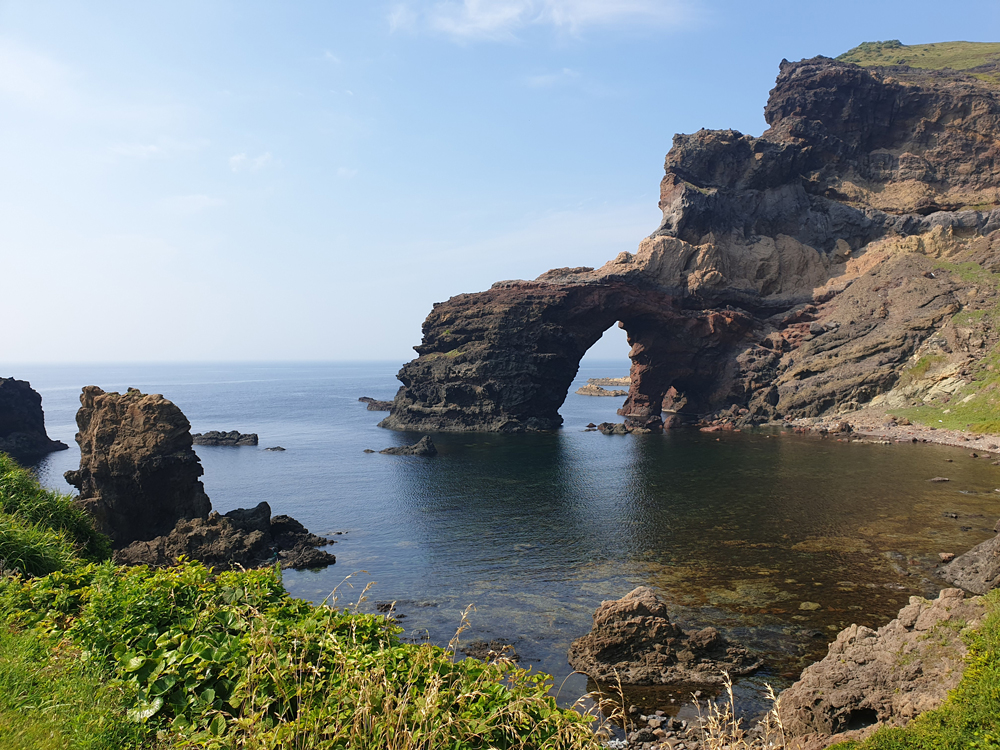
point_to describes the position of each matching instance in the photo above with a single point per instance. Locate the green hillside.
(954, 55)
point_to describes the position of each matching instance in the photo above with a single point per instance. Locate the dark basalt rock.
(22, 422)
(375, 404)
(139, 480)
(794, 274)
(634, 641)
(423, 447)
(232, 438)
(247, 538)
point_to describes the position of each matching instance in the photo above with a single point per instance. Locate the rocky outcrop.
(423, 447)
(596, 390)
(241, 538)
(375, 404)
(795, 274)
(138, 473)
(139, 480)
(634, 641)
(886, 677)
(22, 423)
(229, 439)
(978, 570)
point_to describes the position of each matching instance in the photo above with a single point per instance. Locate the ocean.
(779, 540)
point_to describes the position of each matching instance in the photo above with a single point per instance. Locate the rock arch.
(503, 360)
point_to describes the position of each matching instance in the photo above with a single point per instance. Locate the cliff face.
(795, 274)
(22, 423)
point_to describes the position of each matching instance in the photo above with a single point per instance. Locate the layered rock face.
(794, 274)
(22, 423)
(886, 677)
(138, 473)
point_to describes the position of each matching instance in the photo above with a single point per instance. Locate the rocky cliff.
(845, 255)
(22, 423)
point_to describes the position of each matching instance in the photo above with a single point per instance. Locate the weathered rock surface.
(633, 640)
(22, 422)
(610, 381)
(231, 438)
(138, 473)
(886, 677)
(247, 538)
(596, 390)
(376, 405)
(423, 447)
(978, 570)
(795, 274)
(139, 479)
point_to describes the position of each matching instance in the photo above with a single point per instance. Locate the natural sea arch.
(503, 360)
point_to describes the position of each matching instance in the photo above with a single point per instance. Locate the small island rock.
(423, 447)
(231, 438)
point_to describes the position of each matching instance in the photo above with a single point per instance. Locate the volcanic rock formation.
(795, 274)
(634, 641)
(885, 677)
(232, 438)
(139, 480)
(138, 474)
(22, 423)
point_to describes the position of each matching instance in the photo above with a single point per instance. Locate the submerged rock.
(873, 678)
(22, 422)
(423, 447)
(232, 438)
(633, 640)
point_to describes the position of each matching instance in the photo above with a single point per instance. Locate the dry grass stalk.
(722, 730)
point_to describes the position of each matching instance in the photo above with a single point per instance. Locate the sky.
(234, 180)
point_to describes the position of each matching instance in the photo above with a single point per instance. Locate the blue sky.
(244, 180)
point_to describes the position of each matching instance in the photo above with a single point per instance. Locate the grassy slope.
(938, 56)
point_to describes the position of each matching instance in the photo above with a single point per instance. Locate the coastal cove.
(779, 540)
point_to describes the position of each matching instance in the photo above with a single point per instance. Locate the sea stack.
(22, 422)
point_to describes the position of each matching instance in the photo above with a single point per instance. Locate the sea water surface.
(779, 540)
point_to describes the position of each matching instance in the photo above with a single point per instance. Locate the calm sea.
(778, 539)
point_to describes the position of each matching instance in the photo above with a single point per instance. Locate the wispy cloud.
(549, 80)
(502, 19)
(243, 163)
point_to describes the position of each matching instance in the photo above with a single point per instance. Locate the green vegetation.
(953, 55)
(970, 717)
(94, 655)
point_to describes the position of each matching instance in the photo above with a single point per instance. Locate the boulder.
(229, 439)
(633, 640)
(22, 422)
(138, 473)
(978, 570)
(423, 447)
(872, 678)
